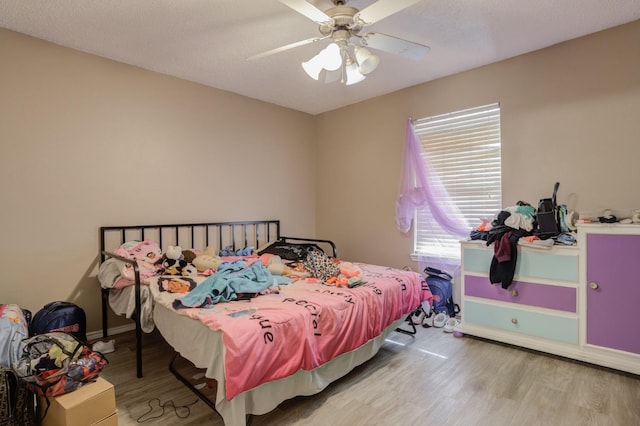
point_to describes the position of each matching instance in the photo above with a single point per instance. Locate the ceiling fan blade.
(308, 10)
(380, 10)
(286, 47)
(396, 45)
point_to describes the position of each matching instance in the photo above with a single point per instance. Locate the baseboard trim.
(97, 335)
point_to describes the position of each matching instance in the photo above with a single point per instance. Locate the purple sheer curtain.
(422, 188)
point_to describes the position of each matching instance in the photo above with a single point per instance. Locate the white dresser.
(574, 301)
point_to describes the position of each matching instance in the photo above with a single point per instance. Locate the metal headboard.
(191, 235)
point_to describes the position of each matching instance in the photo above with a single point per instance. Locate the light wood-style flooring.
(433, 378)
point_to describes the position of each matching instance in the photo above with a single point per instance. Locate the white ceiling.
(209, 41)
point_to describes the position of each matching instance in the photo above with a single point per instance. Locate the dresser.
(573, 301)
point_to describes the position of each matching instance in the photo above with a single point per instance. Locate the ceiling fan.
(343, 59)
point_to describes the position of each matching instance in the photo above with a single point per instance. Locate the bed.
(307, 333)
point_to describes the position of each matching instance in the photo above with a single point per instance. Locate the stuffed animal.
(189, 255)
(189, 270)
(172, 266)
(174, 263)
(174, 252)
(275, 265)
(207, 260)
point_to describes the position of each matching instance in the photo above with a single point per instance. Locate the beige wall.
(569, 113)
(86, 142)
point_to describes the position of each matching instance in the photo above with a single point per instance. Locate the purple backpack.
(440, 285)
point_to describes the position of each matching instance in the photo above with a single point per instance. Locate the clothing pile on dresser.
(505, 231)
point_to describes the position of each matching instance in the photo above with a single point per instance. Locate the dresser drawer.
(520, 321)
(538, 264)
(524, 293)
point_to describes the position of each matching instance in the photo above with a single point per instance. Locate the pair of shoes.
(104, 347)
(451, 324)
(418, 317)
(440, 319)
(427, 322)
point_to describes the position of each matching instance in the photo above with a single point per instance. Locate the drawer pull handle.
(514, 293)
(514, 320)
(594, 286)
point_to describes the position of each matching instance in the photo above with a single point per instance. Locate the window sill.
(422, 257)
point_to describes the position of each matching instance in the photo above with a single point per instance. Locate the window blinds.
(463, 150)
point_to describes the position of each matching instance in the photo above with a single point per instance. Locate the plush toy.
(275, 265)
(189, 255)
(207, 260)
(174, 263)
(189, 270)
(174, 252)
(172, 266)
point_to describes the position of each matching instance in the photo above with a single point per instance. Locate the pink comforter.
(306, 325)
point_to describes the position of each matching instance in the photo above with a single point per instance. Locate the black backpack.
(440, 285)
(16, 401)
(60, 316)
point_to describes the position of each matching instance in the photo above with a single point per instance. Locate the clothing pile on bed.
(300, 327)
(230, 274)
(300, 311)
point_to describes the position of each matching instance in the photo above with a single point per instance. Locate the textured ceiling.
(209, 41)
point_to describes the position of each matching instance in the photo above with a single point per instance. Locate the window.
(463, 150)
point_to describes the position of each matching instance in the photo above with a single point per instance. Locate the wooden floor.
(433, 378)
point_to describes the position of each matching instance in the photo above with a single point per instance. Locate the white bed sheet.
(181, 331)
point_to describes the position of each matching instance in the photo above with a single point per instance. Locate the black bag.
(440, 285)
(289, 251)
(547, 215)
(17, 403)
(60, 316)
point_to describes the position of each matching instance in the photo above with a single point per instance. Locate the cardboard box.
(112, 420)
(91, 404)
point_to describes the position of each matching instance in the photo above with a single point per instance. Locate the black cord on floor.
(185, 410)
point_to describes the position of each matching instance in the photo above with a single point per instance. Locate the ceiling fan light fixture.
(353, 74)
(331, 57)
(367, 61)
(332, 76)
(313, 66)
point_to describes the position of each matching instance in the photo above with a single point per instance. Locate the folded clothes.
(542, 244)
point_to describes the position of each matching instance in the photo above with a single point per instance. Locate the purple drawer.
(544, 296)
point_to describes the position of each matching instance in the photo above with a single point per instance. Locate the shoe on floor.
(104, 347)
(418, 317)
(451, 324)
(427, 322)
(440, 319)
